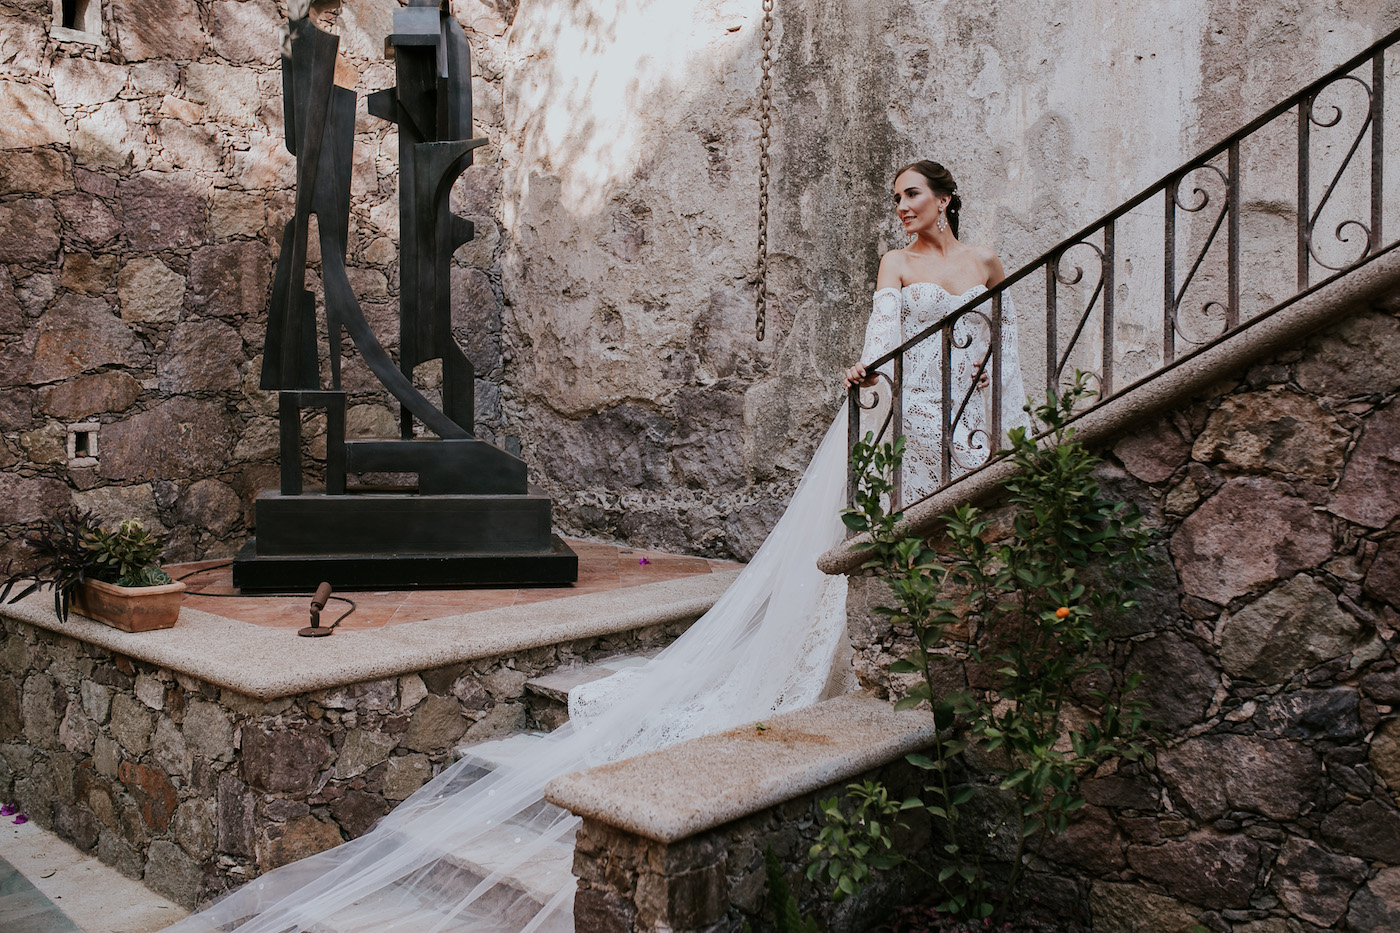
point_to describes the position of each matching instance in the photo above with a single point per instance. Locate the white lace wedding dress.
(472, 852)
(898, 315)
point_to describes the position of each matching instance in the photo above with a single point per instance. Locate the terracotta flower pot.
(130, 608)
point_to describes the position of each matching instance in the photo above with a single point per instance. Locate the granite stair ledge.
(675, 839)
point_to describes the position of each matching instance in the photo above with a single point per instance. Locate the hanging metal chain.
(765, 120)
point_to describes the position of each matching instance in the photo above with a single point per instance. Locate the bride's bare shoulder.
(893, 266)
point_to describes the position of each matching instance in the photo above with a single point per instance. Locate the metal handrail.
(1223, 162)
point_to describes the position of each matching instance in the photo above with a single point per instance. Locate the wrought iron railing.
(1189, 262)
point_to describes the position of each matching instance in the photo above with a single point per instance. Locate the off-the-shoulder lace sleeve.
(882, 330)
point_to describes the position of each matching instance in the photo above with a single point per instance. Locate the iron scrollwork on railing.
(1197, 241)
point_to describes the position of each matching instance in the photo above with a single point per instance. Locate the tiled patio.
(601, 567)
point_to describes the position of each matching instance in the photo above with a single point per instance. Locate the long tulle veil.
(484, 851)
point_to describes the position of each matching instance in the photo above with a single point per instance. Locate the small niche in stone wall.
(78, 21)
(82, 444)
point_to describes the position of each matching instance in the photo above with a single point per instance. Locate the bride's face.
(916, 204)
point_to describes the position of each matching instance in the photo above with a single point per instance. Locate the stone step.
(548, 695)
(495, 753)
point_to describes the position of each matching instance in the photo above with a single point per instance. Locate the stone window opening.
(82, 444)
(78, 21)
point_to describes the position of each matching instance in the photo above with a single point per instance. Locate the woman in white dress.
(919, 285)
(474, 852)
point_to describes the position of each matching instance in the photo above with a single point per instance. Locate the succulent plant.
(72, 548)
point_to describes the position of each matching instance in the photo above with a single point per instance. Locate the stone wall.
(607, 300)
(144, 181)
(716, 880)
(195, 788)
(1269, 638)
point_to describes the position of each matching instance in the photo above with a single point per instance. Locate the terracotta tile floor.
(600, 567)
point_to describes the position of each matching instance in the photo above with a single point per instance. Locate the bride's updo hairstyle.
(940, 181)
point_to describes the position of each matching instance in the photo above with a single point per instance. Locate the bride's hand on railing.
(855, 376)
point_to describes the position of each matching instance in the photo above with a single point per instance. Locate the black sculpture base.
(402, 540)
(251, 573)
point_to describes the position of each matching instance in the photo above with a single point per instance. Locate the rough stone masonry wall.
(194, 789)
(144, 182)
(1269, 639)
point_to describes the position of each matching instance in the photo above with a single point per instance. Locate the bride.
(485, 852)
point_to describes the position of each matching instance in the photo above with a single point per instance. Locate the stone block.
(155, 29)
(28, 231)
(404, 774)
(76, 824)
(148, 292)
(1384, 753)
(235, 816)
(357, 811)
(97, 701)
(22, 43)
(1365, 494)
(154, 794)
(193, 147)
(115, 504)
(228, 94)
(174, 438)
(201, 356)
(109, 392)
(1279, 432)
(436, 725)
(111, 136)
(29, 118)
(1369, 829)
(372, 695)
(208, 731)
(1294, 627)
(1091, 841)
(169, 871)
(283, 760)
(237, 214)
(245, 31)
(169, 750)
(265, 164)
(162, 211)
(361, 751)
(131, 725)
(85, 272)
(154, 78)
(195, 827)
(1314, 884)
(1329, 714)
(46, 445)
(37, 708)
(230, 280)
(1359, 356)
(284, 843)
(1250, 533)
(77, 732)
(39, 172)
(1376, 907)
(1217, 773)
(1204, 868)
(210, 504)
(1154, 453)
(363, 28)
(1383, 577)
(82, 82)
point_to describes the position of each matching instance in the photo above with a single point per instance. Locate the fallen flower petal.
(642, 561)
(21, 820)
(8, 809)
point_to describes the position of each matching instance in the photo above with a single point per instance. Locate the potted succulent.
(110, 576)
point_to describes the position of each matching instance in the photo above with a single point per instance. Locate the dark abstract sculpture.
(472, 519)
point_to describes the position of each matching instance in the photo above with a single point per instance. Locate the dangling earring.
(942, 223)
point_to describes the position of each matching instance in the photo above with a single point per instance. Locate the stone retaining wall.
(716, 880)
(1269, 640)
(194, 788)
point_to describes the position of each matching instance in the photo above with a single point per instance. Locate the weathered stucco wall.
(143, 184)
(632, 374)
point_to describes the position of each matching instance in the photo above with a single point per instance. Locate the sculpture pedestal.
(402, 540)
